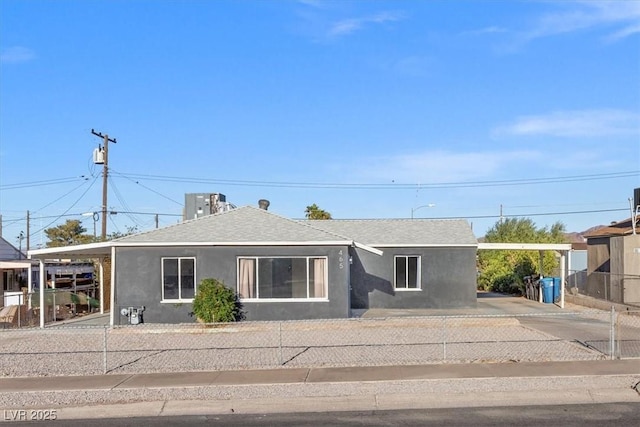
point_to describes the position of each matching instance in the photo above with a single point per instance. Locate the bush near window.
(214, 302)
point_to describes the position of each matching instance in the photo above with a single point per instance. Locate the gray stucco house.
(286, 269)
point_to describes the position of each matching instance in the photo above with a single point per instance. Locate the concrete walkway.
(328, 389)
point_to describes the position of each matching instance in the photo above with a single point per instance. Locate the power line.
(392, 186)
(66, 211)
(120, 197)
(530, 214)
(113, 172)
(41, 183)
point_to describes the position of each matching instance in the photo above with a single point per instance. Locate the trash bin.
(546, 284)
(557, 286)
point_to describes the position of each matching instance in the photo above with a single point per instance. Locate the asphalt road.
(602, 415)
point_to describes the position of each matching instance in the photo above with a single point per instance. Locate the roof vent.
(263, 204)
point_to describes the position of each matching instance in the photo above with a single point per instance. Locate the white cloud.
(442, 166)
(487, 30)
(623, 33)
(16, 54)
(582, 123)
(348, 26)
(621, 17)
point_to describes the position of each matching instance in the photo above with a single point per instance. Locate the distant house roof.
(620, 228)
(8, 251)
(402, 232)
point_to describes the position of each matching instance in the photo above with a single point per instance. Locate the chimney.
(263, 204)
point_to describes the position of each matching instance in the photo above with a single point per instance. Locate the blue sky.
(369, 109)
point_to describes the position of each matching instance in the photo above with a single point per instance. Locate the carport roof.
(526, 246)
(89, 250)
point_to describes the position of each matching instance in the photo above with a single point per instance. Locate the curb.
(367, 402)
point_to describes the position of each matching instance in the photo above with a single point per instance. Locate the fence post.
(444, 339)
(104, 351)
(612, 333)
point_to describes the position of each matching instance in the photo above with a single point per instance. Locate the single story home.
(285, 269)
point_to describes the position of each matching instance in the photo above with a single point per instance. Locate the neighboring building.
(613, 271)
(286, 269)
(197, 205)
(14, 269)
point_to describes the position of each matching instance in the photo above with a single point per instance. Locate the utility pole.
(105, 175)
(28, 231)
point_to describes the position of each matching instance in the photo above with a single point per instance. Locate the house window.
(278, 278)
(407, 272)
(178, 278)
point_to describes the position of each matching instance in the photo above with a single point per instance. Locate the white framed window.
(282, 278)
(178, 279)
(406, 271)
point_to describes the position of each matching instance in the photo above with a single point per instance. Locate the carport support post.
(101, 269)
(112, 297)
(42, 282)
(541, 275)
(563, 273)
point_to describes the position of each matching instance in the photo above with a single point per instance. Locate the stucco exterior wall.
(448, 279)
(138, 282)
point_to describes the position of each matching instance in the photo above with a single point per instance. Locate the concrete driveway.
(488, 303)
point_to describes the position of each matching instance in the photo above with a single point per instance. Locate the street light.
(96, 217)
(430, 205)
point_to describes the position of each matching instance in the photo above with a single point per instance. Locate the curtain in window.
(247, 278)
(319, 285)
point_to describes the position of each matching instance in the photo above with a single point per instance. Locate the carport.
(563, 248)
(99, 251)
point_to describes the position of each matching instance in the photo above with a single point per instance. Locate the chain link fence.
(616, 288)
(146, 348)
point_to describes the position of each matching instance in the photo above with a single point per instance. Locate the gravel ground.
(248, 345)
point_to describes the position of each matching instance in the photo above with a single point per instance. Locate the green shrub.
(214, 302)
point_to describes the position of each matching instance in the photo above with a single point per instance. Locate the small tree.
(70, 233)
(214, 302)
(314, 212)
(503, 271)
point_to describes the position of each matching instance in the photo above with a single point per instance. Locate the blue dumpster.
(557, 285)
(546, 284)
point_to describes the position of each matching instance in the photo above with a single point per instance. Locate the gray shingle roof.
(245, 224)
(401, 232)
(252, 225)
